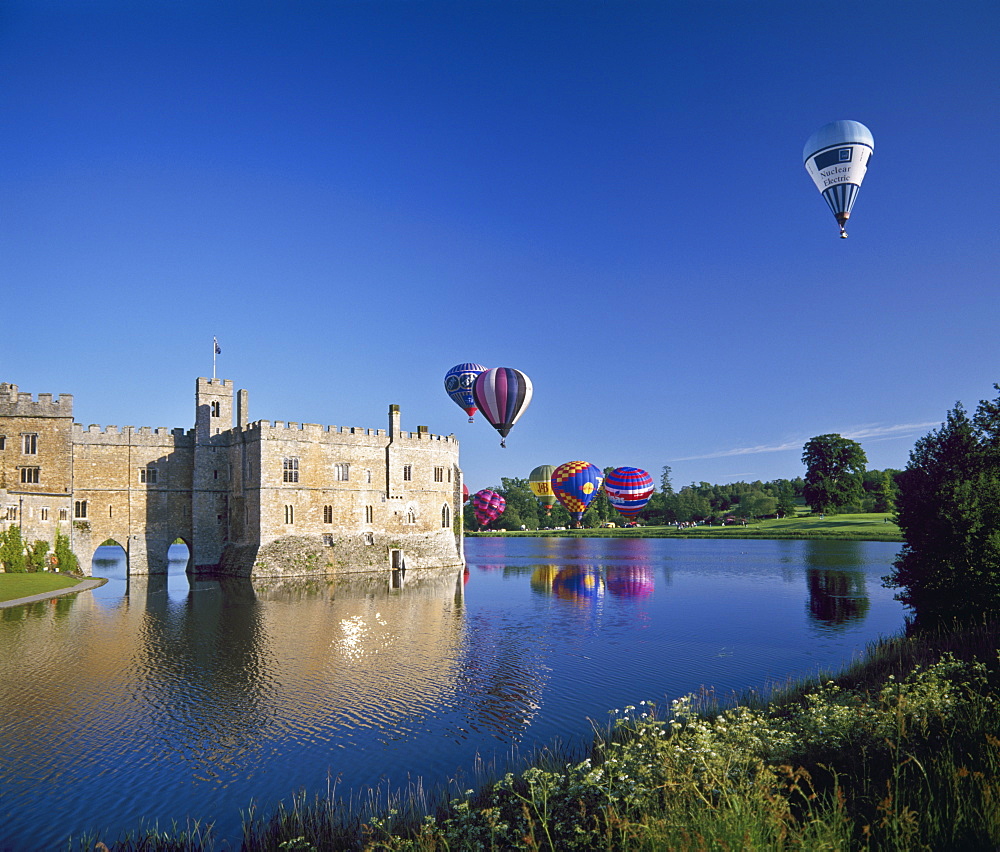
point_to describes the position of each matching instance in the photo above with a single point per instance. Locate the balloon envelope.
(836, 157)
(458, 382)
(502, 394)
(540, 483)
(488, 506)
(628, 490)
(576, 484)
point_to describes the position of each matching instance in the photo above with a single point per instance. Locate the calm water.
(163, 701)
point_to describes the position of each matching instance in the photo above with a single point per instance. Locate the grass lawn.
(13, 586)
(867, 527)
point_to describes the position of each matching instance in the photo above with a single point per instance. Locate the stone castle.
(254, 500)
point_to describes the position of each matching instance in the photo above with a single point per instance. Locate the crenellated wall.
(270, 498)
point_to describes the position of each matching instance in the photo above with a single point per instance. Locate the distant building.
(255, 499)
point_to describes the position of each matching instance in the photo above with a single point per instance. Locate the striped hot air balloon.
(576, 484)
(502, 394)
(458, 382)
(488, 506)
(628, 490)
(836, 157)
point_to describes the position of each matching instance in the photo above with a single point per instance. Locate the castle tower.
(211, 475)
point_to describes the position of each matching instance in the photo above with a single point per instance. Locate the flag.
(218, 349)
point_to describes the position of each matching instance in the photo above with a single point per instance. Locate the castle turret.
(211, 476)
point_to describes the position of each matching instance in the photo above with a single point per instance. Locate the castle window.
(368, 476)
(369, 514)
(80, 509)
(328, 540)
(407, 473)
(45, 513)
(30, 474)
(290, 472)
(411, 516)
(342, 472)
(11, 513)
(328, 514)
(445, 516)
(439, 474)
(30, 443)
(216, 409)
(3, 442)
(289, 514)
(369, 538)
(64, 514)
(147, 475)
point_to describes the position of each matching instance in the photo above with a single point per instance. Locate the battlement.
(218, 383)
(13, 403)
(290, 430)
(141, 436)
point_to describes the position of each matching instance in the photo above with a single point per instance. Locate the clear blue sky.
(609, 196)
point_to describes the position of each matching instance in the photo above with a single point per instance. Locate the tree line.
(946, 503)
(836, 481)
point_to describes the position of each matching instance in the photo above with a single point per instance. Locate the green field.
(871, 527)
(14, 586)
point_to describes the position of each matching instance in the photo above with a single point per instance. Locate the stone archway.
(109, 560)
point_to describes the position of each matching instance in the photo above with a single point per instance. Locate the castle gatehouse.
(261, 499)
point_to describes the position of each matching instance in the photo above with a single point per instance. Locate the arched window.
(446, 516)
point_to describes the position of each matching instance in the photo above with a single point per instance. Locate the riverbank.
(18, 589)
(861, 527)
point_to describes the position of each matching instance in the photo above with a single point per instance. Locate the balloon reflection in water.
(542, 578)
(630, 581)
(578, 583)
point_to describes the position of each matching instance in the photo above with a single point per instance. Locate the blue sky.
(609, 196)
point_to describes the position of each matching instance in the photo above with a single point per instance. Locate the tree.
(948, 509)
(756, 504)
(834, 470)
(665, 485)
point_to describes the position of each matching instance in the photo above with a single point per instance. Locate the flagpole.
(215, 352)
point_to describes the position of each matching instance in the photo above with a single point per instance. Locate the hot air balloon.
(465, 493)
(458, 382)
(540, 483)
(576, 483)
(836, 157)
(488, 506)
(628, 490)
(502, 394)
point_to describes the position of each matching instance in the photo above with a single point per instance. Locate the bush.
(12, 551)
(66, 560)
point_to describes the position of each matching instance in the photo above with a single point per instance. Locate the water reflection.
(582, 583)
(227, 691)
(578, 583)
(838, 595)
(630, 581)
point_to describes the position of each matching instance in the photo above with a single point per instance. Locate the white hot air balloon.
(836, 157)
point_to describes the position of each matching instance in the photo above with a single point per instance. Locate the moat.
(157, 701)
